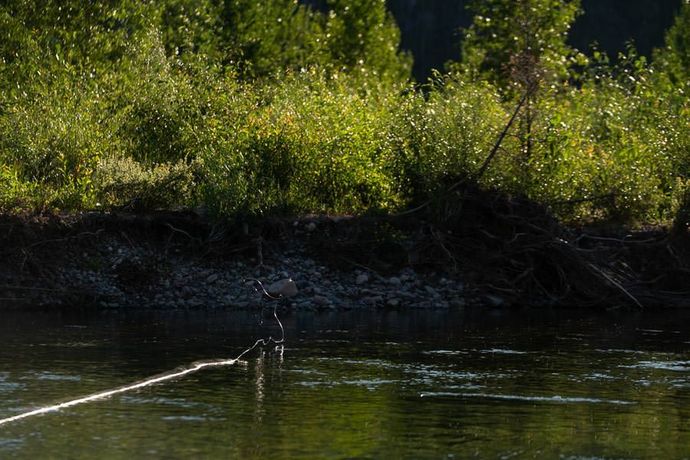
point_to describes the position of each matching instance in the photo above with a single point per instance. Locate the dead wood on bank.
(511, 247)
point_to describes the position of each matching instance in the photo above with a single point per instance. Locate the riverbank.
(499, 251)
(181, 260)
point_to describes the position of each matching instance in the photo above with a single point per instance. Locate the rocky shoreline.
(189, 283)
(169, 261)
(500, 251)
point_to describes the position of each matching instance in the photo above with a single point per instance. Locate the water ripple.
(548, 399)
(503, 351)
(57, 377)
(677, 366)
(445, 352)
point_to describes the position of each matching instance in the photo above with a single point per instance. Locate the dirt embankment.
(476, 248)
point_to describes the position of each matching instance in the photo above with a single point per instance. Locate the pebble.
(195, 303)
(431, 291)
(394, 303)
(212, 278)
(457, 303)
(372, 300)
(362, 279)
(321, 300)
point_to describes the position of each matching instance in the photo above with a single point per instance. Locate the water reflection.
(364, 385)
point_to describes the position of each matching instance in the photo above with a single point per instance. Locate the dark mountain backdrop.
(431, 29)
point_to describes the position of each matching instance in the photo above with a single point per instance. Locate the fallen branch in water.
(160, 378)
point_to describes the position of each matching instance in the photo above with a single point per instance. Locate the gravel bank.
(109, 261)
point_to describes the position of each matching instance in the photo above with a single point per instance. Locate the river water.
(394, 384)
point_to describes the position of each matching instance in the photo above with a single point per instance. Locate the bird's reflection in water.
(263, 364)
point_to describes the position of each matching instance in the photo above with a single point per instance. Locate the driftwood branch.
(617, 285)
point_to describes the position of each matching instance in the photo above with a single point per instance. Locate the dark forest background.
(432, 29)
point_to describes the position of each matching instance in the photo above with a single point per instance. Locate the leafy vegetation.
(515, 43)
(276, 107)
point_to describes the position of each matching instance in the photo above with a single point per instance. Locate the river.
(378, 384)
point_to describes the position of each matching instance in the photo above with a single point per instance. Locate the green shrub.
(122, 181)
(362, 35)
(274, 107)
(445, 136)
(155, 104)
(17, 194)
(310, 143)
(606, 148)
(54, 139)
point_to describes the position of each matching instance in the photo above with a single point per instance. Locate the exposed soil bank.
(485, 248)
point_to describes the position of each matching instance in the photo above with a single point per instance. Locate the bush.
(155, 104)
(515, 43)
(603, 150)
(445, 136)
(122, 181)
(53, 140)
(272, 107)
(310, 143)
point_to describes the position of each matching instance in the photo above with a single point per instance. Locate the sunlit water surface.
(437, 384)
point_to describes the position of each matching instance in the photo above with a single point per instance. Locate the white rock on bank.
(283, 288)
